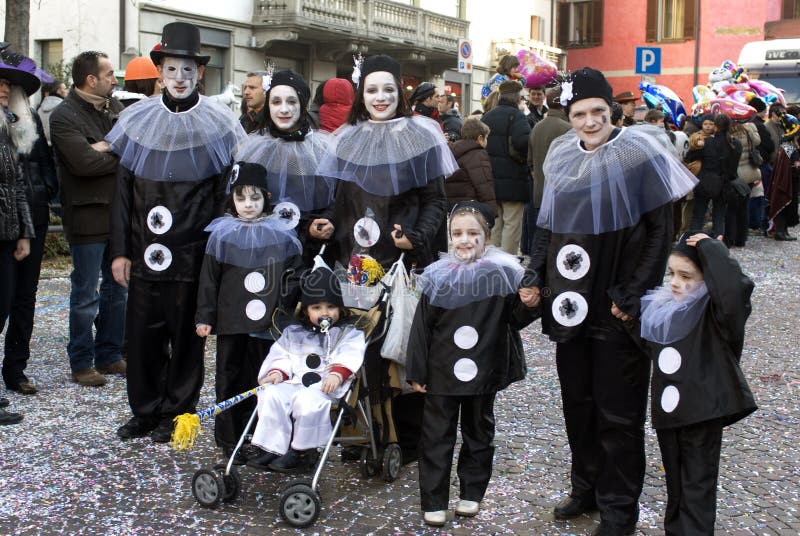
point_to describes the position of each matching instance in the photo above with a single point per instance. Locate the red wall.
(725, 26)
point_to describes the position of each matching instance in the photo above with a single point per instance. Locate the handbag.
(753, 154)
(400, 315)
(736, 190)
(512, 151)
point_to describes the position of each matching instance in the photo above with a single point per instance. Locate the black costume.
(698, 388)
(168, 189)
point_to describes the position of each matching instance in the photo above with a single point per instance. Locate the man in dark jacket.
(424, 100)
(169, 188)
(254, 99)
(508, 148)
(594, 257)
(449, 117)
(552, 126)
(86, 172)
(37, 172)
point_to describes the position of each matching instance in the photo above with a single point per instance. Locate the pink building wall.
(725, 26)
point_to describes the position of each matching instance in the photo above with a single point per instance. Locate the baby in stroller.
(309, 366)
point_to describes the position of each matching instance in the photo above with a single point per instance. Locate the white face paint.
(249, 204)
(684, 276)
(380, 95)
(466, 234)
(180, 76)
(591, 119)
(284, 107)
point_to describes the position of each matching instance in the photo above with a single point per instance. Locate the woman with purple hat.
(24, 136)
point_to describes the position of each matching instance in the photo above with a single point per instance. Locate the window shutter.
(562, 32)
(597, 23)
(651, 32)
(688, 20)
(788, 9)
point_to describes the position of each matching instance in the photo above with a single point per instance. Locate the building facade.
(694, 36)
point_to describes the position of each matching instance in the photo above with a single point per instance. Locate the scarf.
(99, 103)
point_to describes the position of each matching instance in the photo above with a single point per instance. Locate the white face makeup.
(467, 237)
(284, 107)
(180, 76)
(249, 204)
(380, 95)
(684, 276)
(591, 119)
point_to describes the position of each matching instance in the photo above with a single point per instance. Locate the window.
(52, 56)
(791, 9)
(537, 28)
(580, 23)
(670, 20)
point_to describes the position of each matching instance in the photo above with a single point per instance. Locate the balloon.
(764, 89)
(733, 109)
(536, 71)
(658, 96)
(702, 93)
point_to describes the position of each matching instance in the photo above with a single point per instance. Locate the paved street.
(63, 470)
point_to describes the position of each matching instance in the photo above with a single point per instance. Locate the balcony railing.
(378, 19)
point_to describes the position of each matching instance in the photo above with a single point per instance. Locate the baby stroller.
(354, 425)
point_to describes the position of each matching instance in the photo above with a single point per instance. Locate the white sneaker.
(436, 518)
(467, 508)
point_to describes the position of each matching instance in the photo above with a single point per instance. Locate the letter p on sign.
(648, 60)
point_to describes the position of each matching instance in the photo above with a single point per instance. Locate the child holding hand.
(310, 365)
(464, 346)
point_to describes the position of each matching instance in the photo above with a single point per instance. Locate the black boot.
(262, 462)
(6, 417)
(293, 460)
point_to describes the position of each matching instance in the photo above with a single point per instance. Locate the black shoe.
(137, 427)
(784, 237)
(294, 460)
(351, 453)
(262, 462)
(571, 508)
(24, 387)
(4, 402)
(163, 432)
(239, 459)
(6, 417)
(606, 528)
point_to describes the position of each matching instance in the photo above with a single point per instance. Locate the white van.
(776, 61)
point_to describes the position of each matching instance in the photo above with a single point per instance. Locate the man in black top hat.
(174, 154)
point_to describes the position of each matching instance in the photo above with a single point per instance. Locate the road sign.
(648, 60)
(464, 56)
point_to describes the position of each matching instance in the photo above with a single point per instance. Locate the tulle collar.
(665, 320)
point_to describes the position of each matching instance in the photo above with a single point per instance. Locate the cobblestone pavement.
(63, 470)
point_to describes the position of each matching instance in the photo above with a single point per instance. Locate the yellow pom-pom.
(187, 428)
(373, 269)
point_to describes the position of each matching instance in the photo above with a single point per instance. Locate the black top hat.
(179, 40)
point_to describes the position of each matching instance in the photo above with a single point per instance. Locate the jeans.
(757, 207)
(86, 304)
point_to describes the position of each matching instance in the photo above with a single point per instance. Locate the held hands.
(23, 248)
(121, 270)
(331, 382)
(619, 314)
(321, 229)
(274, 377)
(203, 330)
(401, 241)
(530, 296)
(418, 388)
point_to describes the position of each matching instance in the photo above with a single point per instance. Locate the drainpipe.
(696, 41)
(122, 47)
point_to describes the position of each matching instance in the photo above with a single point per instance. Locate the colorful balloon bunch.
(729, 91)
(536, 71)
(664, 99)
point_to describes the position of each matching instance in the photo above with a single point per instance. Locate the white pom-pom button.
(465, 337)
(670, 398)
(569, 308)
(669, 360)
(255, 309)
(573, 262)
(465, 369)
(159, 220)
(254, 282)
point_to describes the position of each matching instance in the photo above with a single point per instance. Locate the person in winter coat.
(337, 98)
(169, 188)
(464, 347)
(390, 199)
(249, 270)
(53, 94)
(37, 171)
(736, 213)
(508, 149)
(783, 192)
(141, 81)
(449, 117)
(473, 178)
(605, 231)
(87, 175)
(693, 330)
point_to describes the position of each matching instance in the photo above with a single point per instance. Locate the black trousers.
(604, 395)
(439, 422)
(24, 276)
(737, 222)
(162, 384)
(691, 462)
(239, 359)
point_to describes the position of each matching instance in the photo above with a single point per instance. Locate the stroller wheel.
(208, 487)
(392, 462)
(300, 504)
(233, 485)
(369, 467)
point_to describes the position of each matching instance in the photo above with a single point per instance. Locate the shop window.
(670, 20)
(580, 23)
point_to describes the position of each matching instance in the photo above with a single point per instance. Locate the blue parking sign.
(648, 60)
